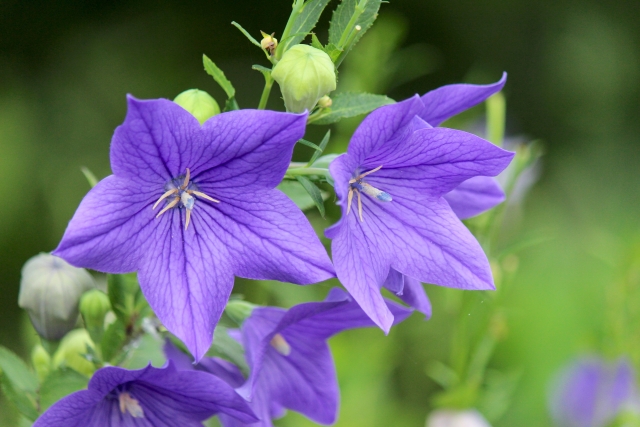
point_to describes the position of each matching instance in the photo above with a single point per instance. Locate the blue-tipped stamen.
(357, 186)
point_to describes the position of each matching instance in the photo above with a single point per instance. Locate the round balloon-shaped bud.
(199, 103)
(452, 418)
(94, 306)
(305, 74)
(73, 350)
(50, 290)
(239, 310)
(41, 361)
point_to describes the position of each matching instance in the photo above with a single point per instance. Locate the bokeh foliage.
(574, 83)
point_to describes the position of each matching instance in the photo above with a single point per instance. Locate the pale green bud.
(94, 306)
(41, 361)
(199, 103)
(50, 289)
(305, 74)
(72, 350)
(454, 418)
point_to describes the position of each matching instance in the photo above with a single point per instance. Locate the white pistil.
(184, 196)
(131, 405)
(281, 345)
(357, 185)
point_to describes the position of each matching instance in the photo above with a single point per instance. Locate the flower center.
(281, 345)
(130, 405)
(183, 196)
(357, 185)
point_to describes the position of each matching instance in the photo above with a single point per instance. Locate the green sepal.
(122, 290)
(266, 72)
(310, 144)
(60, 383)
(91, 178)
(349, 105)
(228, 349)
(322, 147)
(246, 34)
(18, 383)
(315, 42)
(113, 339)
(218, 75)
(314, 193)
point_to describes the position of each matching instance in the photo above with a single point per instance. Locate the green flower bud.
(305, 74)
(199, 103)
(325, 102)
(41, 361)
(71, 353)
(239, 310)
(50, 289)
(94, 306)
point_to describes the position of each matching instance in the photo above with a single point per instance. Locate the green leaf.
(305, 22)
(18, 383)
(314, 192)
(246, 34)
(113, 340)
(60, 383)
(345, 18)
(296, 192)
(24, 401)
(229, 349)
(323, 145)
(146, 349)
(310, 144)
(349, 105)
(217, 74)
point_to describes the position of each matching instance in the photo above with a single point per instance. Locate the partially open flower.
(50, 289)
(305, 74)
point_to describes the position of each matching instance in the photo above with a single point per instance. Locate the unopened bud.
(41, 361)
(450, 418)
(50, 289)
(305, 74)
(239, 310)
(199, 103)
(72, 350)
(325, 102)
(94, 305)
(268, 42)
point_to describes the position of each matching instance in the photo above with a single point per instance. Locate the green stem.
(359, 10)
(298, 171)
(268, 84)
(297, 9)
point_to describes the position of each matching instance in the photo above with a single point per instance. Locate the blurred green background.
(574, 83)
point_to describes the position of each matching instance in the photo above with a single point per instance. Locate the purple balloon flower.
(593, 392)
(190, 206)
(390, 185)
(149, 397)
(471, 197)
(290, 361)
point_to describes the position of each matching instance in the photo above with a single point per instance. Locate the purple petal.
(157, 142)
(434, 162)
(186, 277)
(269, 238)
(110, 229)
(415, 296)
(447, 101)
(249, 149)
(389, 123)
(475, 196)
(71, 411)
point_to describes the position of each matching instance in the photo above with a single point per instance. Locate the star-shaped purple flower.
(390, 185)
(290, 361)
(149, 397)
(471, 197)
(190, 206)
(592, 392)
